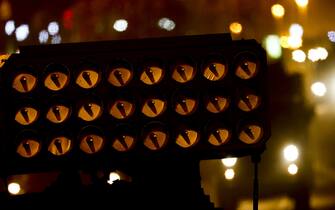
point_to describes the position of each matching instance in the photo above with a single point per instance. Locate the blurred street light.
(277, 10)
(229, 174)
(301, 3)
(14, 188)
(299, 56)
(120, 25)
(229, 162)
(235, 27)
(319, 89)
(292, 169)
(291, 153)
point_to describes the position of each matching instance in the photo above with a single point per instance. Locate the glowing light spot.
(323, 53)
(272, 46)
(291, 153)
(229, 174)
(120, 25)
(113, 176)
(22, 32)
(229, 162)
(301, 3)
(43, 36)
(331, 36)
(53, 28)
(292, 169)
(296, 30)
(68, 19)
(167, 24)
(277, 11)
(10, 27)
(235, 27)
(14, 188)
(56, 39)
(319, 89)
(284, 42)
(294, 42)
(299, 56)
(313, 55)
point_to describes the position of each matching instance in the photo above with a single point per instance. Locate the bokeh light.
(294, 42)
(43, 36)
(331, 36)
(284, 42)
(22, 32)
(120, 25)
(14, 188)
(272, 46)
(235, 27)
(292, 169)
(113, 176)
(229, 174)
(277, 10)
(57, 39)
(53, 28)
(10, 27)
(291, 153)
(166, 23)
(318, 53)
(319, 89)
(229, 162)
(301, 3)
(296, 30)
(299, 56)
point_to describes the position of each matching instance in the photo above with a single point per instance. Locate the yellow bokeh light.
(278, 11)
(229, 162)
(292, 169)
(301, 3)
(284, 42)
(14, 188)
(235, 27)
(229, 174)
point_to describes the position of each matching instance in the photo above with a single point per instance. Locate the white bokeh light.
(14, 188)
(323, 53)
(292, 169)
(296, 30)
(10, 27)
(120, 25)
(229, 174)
(57, 39)
(299, 56)
(331, 36)
(22, 32)
(43, 36)
(229, 162)
(53, 28)
(113, 176)
(291, 153)
(167, 24)
(319, 89)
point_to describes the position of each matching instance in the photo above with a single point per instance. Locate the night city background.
(298, 36)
